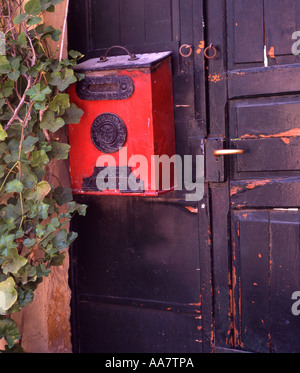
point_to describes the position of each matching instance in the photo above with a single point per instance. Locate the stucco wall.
(45, 323)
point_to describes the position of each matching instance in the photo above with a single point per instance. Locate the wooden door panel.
(259, 33)
(268, 155)
(133, 250)
(125, 329)
(273, 192)
(245, 22)
(266, 265)
(271, 80)
(258, 111)
(282, 19)
(268, 130)
(250, 279)
(265, 117)
(284, 280)
(112, 23)
(136, 275)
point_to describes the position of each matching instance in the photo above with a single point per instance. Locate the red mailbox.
(128, 118)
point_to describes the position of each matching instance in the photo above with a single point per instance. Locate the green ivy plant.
(34, 215)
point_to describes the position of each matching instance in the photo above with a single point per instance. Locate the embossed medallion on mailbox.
(108, 133)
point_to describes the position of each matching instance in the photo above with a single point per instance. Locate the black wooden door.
(254, 105)
(140, 268)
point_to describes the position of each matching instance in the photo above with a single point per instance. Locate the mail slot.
(127, 126)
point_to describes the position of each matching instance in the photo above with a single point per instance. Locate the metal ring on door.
(185, 46)
(210, 47)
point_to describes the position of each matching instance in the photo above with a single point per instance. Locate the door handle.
(218, 153)
(188, 49)
(212, 49)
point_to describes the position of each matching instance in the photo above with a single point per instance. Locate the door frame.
(217, 177)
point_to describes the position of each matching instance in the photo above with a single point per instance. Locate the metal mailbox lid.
(123, 62)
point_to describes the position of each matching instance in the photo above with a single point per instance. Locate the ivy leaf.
(3, 134)
(2, 169)
(62, 195)
(39, 210)
(42, 189)
(47, 31)
(60, 241)
(63, 239)
(23, 39)
(12, 157)
(13, 262)
(10, 331)
(39, 158)
(71, 237)
(4, 65)
(74, 206)
(28, 144)
(36, 93)
(55, 2)
(27, 274)
(25, 297)
(75, 54)
(29, 242)
(60, 102)
(34, 21)
(51, 9)
(8, 294)
(49, 122)
(45, 146)
(28, 177)
(48, 5)
(33, 7)
(14, 186)
(14, 75)
(7, 88)
(42, 230)
(20, 18)
(63, 80)
(41, 271)
(15, 65)
(81, 208)
(73, 114)
(57, 260)
(60, 150)
(40, 192)
(7, 242)
(12, 212)
(79, 76)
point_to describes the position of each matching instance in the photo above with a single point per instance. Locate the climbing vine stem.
(34, 110)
